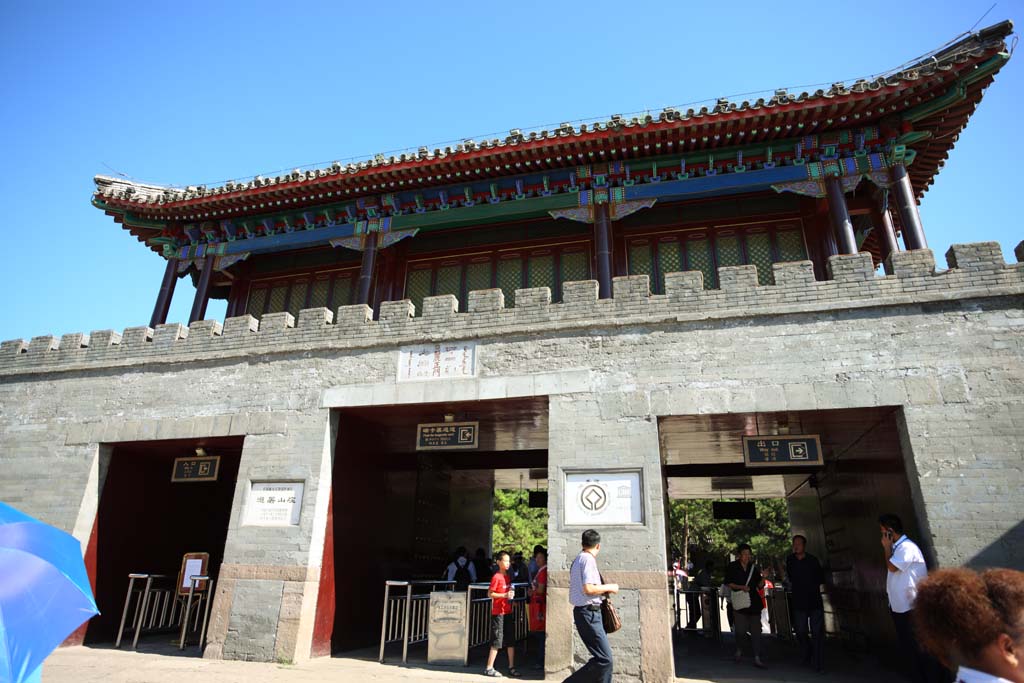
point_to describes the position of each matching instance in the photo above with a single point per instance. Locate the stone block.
(74, 341)
(397, 311)
(137, 336)
(440, 307)
(204, 329)
(976, 256)
(165, 335)
(482, 300)
(313, 318)
(793, 273)
(103, 338)
(240, 325)
(355, 316)
(42, 344)
(534, 297)
(850, 267)
(685, 287)
(916, 263)
(13, 347)
(274, 322)
(631, 288)
(737, 278)
(580, 292)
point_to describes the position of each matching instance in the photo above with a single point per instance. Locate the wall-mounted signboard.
(782, 451)
(603, 497)
(274, 503)
(196, 468)
(450, 360)
(447, 436)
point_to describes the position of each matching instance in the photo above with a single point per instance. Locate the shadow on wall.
(1006, 551)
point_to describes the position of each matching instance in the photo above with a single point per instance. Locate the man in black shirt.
(803, 571)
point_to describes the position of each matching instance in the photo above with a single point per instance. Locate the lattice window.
(759, 251)
(640, 261)
(791, 245)
(417, 286)
(449, 279)
(510, 278)
(670, 260)
(318, 297)
(575, 267)
(342, 294)
(698, 256)
(257, 298)
(297, 300)
(277, 299)
(478, 276)
(728, 251)
(540, 271)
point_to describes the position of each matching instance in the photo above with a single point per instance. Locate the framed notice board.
(195, 468)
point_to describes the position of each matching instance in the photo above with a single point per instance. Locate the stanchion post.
(405, 628)
(142, 611)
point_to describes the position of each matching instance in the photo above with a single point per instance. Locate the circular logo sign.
(593, 498)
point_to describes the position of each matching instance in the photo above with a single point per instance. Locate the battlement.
(975, 270)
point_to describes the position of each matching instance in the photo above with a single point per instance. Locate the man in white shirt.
(906, 569)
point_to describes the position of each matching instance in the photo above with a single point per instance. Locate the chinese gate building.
(624, 301)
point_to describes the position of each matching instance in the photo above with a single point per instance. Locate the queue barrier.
(707, 603)
(157, 606)
(406, 614)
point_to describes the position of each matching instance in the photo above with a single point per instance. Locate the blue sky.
(190, 93)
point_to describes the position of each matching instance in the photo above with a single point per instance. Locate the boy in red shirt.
(503, 624)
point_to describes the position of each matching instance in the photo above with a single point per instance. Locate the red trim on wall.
(77, 637)
(323, 623)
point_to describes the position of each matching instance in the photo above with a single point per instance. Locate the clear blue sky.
(201, 92)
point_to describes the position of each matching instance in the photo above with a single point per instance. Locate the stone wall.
(945, 346)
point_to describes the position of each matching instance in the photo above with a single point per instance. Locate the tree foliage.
(517, 526)
(768, 535)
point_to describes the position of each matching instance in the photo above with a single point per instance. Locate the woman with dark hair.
(744, 580)
(974, 621)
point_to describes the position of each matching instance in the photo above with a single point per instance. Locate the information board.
(446, 628)
(447, 436)
(603, 497)
(196, 468)
(450, 360)
(782, 451)
(274, 504)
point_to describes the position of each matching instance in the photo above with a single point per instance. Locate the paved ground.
(698, 660)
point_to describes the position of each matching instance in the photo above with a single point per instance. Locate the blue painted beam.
(711, 185)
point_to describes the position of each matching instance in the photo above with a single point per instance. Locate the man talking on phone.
(906, 569)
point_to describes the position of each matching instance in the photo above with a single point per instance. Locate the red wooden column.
(202, 292)
(366, 269)
(163, 299)
(906, 203)
(882, 220)
(842, 226)
(603, 250)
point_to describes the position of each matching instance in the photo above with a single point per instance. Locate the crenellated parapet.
(975, 271)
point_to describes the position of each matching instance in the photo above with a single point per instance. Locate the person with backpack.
(461, 570)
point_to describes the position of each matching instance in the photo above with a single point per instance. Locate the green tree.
(517, 526)
(693, 528)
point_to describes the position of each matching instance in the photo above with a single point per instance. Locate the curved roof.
(932, 98)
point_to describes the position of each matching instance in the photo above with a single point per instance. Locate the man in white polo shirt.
(906, 569)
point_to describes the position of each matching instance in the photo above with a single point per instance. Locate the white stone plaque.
(274, 503)
(603, 498)
(446, 631)
(449, 360)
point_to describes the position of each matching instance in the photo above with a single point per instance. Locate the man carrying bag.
(586, 593)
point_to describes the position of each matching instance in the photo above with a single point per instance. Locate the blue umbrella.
(44, 593)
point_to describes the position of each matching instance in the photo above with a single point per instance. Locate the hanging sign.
(603, 497)
(274, 504)
(447, 436)
(196, 468)
(782, 451)
(451, 360)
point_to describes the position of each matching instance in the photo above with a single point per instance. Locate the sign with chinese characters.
(450, 360)
(446, 630)
(196, 468)
(603, 498)
(274, 504)
(782, 451)
(447, 436)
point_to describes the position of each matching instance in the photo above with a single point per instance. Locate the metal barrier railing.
(478, 625)
(156, 607)
(707, 605)
(405, 614)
